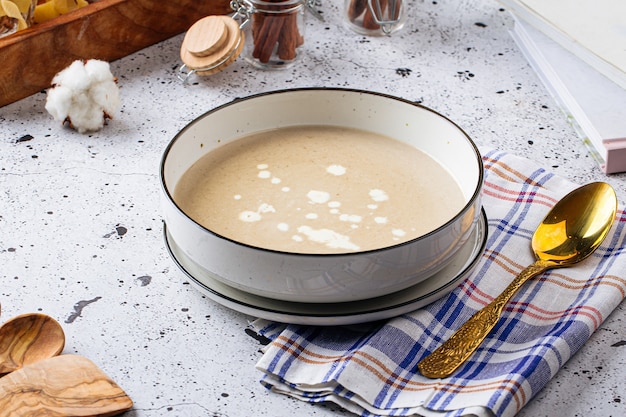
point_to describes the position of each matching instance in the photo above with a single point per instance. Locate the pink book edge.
(615, 155)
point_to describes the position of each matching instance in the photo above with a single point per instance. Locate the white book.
(595, 105)
(594, 30)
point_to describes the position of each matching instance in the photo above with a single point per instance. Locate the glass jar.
(375, 17)
(274, 31)
(209, 46)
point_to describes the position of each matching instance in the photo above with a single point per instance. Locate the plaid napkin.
(370, 369)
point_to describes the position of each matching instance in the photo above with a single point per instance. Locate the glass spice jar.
(209, 46)
(268, 33)
(375, 17)
(274, 31)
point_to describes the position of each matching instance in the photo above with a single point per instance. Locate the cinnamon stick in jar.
(290, 38)
(369, 22)
(267, 37)
(368, 16)
(355, 9)
(275, 30)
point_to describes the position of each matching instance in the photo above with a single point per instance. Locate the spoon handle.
(454, 352)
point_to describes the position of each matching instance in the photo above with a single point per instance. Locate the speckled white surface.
(80, 224)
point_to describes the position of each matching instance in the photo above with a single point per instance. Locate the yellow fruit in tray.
(66, 6)
(53, 8)
(45, 12)
(27, 8)
(11, 20)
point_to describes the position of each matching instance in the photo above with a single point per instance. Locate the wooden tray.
(107, 30)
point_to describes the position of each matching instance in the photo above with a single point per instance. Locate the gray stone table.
(81, 233)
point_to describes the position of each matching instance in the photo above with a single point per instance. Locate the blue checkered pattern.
(370, 369)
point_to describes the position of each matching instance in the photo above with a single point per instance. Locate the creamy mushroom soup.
(318, 189)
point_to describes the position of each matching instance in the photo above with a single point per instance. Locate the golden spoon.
(27, 339)
(571, 231)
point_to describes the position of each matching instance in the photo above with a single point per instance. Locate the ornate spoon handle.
(454, 352)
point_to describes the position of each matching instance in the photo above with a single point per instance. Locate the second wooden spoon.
(29, 338)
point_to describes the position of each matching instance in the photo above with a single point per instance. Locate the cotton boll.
(90, 117)
(59, 102)
(98, 71)
(84, 94)
(73, 77)
(107, 95)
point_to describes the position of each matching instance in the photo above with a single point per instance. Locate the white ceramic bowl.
(324, 277)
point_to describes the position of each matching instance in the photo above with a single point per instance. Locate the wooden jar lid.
(211, 44)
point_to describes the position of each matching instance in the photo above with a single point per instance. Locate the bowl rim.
(471, 201)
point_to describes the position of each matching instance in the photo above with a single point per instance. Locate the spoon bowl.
(29, 338)
(576, 225)
(570, 232)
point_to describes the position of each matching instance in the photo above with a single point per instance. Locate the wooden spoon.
(27, 339)
(66, 385)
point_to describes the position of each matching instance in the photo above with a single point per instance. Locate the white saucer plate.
(331, 314)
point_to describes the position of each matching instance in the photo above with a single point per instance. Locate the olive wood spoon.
(571, 231)
(29, 338)
(65, 385)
